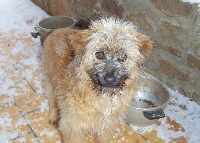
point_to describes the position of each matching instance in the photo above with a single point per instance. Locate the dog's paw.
(53, 118)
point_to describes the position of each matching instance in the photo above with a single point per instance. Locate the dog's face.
(111, 64)
(109, 67)
(112, 52)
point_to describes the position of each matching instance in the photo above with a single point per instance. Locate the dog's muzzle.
(108, 76)
(110, 80)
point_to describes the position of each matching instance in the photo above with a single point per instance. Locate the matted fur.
(77, 102)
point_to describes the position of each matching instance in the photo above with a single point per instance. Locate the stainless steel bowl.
(49, 24)
(149, 102)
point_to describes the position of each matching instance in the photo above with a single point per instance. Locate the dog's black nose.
(110, 78)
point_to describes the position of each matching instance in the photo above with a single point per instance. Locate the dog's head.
(112, 52)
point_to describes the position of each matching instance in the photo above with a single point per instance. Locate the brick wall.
(172, 24)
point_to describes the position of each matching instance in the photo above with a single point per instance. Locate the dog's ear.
(145, 44)
(79, 40)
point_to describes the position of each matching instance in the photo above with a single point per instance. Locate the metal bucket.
(49, 24)
(149, 102)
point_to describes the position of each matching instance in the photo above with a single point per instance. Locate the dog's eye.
(99, 55)
(122, 58)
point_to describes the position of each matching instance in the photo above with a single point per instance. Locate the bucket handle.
(151, 115)
(37, 28)
(75, 20)
(35, 34)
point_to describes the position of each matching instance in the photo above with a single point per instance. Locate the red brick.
(89, 3)
(141, 20)
(173, 33)
(44, 4)
(193, 61)
(168, 49)
(172, 70)
(82, 10)
(113, 7)
(61, 7)
(172, 7)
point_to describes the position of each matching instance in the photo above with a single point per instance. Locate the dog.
(91, 76)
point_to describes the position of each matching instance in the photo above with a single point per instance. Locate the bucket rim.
(47, 29)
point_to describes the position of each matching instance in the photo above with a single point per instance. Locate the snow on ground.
(22, 16)
(193, 2)
(18, 18)
(19, 14)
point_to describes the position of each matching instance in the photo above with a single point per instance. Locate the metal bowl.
(49, 24)
(149, 102)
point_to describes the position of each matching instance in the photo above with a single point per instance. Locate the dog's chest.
(104, 107)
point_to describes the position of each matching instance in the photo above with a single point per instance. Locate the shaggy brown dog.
(91, 76)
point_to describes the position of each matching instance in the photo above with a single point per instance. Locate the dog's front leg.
(53, 109)
(106, 137)
(68, 138)
(71, 135)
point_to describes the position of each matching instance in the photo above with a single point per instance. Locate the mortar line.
(20, 74)
(145, 138)
(30, 85)
(29, 126)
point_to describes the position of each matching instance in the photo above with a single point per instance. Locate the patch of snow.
(6, 87)
(9, 129)
(21, 14)
(4, 136)
(193, 2)
(47, 132)
(21, 121)
(44, 106)
(22, 140)
(5, 121)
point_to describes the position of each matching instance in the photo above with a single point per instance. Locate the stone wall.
(172, 24)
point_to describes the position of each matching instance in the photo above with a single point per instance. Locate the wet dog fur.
(90, 77)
